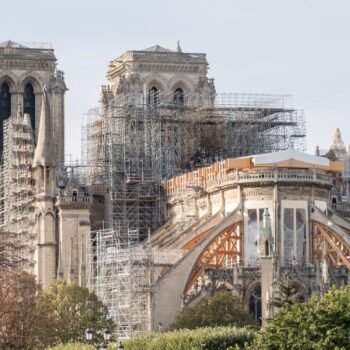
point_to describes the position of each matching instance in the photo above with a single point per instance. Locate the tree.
(314, 325)
(288, 292)
(12, 251)
(71, 310)
(20, 316)
(223, 309)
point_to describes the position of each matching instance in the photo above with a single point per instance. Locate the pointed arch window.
(5, 110)
(179, 97)
(255, 303)
(153, 96)
(29, 103)
(5, 101)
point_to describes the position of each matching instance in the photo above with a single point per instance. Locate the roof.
(12, 44)
(157, 48)
(289, 155)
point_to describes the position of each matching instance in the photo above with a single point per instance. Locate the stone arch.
(183, 84)
(183, 275)
(35, 81)
(156, 84)
(329, 238)
(31, 78)
(156, 80)
(223, 246)
(253, 300)
(10, 79)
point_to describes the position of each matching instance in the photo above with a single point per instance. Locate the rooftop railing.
(252, 177)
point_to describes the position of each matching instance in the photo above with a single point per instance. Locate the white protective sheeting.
(281, 156)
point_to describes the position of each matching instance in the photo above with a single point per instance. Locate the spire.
(44, 152)
(266, 239)
(317, 152)
(178, 48)
(338, 146)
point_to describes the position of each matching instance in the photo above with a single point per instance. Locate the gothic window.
(288, 234)
(179, 97)
(29, 103)
(255, 223)
(5, 101)
(300, 234)
(5, 109)
(255, 303)
(295, 239)
(153, 96)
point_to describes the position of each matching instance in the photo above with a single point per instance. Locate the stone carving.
(56, 82)
(205, 86)
(129, 84)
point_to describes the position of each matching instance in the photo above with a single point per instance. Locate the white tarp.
(280, 156)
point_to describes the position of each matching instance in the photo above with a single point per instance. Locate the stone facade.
(50, 214)
(172, 75)
(274, 214)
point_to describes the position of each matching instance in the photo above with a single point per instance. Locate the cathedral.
(40, 204)
(183, 192)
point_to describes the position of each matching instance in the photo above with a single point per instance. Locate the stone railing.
(166, 57)
(253, 177)
(24, 51)
(75, 199)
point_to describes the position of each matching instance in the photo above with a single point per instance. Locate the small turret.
(178, 48)
(338, 146)
(317, 151)
(266, 238)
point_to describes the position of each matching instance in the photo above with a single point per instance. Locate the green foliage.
(71, 310)
(288, 292)
(73, 346)
(220, 338)
(314, 325)
(80, 346)
(223, 309)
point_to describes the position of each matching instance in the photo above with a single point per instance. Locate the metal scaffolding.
(133, 143)
(17, 186)
(121, 275)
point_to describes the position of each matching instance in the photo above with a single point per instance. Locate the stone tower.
(161, 74)
(47, 217)
(23, 73)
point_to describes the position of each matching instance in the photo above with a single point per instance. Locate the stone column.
(266, 265)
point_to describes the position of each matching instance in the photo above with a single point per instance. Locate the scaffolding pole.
(17, 188)
(133, 143)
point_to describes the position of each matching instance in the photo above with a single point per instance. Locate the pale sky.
(298, 47)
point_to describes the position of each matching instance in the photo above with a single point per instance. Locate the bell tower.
(32, 89)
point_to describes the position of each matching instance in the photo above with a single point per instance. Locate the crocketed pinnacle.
(44, 152)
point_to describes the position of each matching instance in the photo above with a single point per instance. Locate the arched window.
(29, 103)
(5, 111)
(5, 101)
(255, 303)
(153, 96)
(267, 250)
(179, 97)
